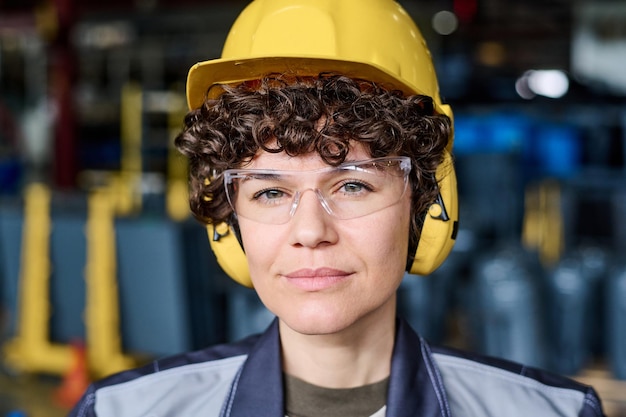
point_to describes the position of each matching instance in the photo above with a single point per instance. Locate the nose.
(311, 224)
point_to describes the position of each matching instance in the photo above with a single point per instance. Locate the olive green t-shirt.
(307, 400)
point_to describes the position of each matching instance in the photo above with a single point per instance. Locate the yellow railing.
(104, 346)
(31, 349)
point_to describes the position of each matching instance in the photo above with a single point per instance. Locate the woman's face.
(320, 274)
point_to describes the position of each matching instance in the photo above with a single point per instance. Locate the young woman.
(319, 155)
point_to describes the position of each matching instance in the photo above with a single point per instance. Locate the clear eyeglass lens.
(351, 190)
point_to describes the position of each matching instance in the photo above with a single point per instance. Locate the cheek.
(389, 255)
(259, 242)
(391, 233)
(381, 243)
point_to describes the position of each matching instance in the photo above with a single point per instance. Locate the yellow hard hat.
(375, 40)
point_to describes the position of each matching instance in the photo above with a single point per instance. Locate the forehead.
(306, 162)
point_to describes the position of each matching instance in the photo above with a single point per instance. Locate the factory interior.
(102, 266)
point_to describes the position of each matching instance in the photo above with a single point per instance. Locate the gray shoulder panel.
(190, 390)
(479, 390)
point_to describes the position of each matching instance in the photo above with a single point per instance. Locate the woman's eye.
(354, 187)
(269, 194)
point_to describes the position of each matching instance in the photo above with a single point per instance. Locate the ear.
(229, 253)
(440, 223)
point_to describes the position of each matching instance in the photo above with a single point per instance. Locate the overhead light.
(445, 22)
(522, 88)
(547, 83)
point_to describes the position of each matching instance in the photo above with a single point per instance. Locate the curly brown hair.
(300, 115)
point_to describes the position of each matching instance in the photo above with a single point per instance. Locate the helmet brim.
(204, 75)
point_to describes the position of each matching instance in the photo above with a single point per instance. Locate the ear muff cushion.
(229, 253)
(438, 234)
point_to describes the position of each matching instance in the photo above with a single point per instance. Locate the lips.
(316, 279)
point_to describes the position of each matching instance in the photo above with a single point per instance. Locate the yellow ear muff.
(442, 220)
(229, 253)
(440, 224)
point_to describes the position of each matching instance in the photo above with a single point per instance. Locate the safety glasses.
(350, 190)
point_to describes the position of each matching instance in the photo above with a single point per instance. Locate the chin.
(324, 319)
(317, 328)
(316, 320)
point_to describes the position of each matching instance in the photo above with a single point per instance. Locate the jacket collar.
(415, 387)
(258, 388)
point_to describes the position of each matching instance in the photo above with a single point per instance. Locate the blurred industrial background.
(102, 268)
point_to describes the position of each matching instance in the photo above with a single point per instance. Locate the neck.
(356, 356)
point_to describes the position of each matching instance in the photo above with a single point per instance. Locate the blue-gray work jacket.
(244, 379)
